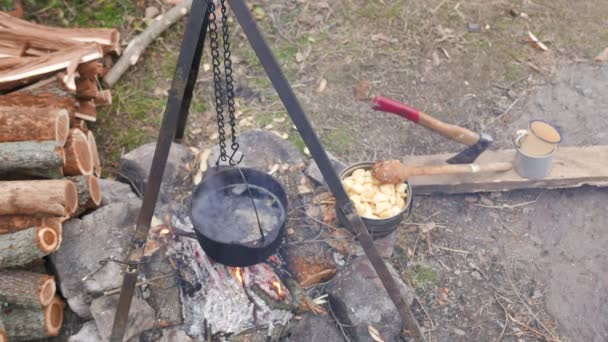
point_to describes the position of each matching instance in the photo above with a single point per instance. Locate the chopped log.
(38, 198)
(80, 124)
(26, 289)
(109, 39)
(92, 69)
(3, 337)
(108, 62)
(78, 159)
(31, 159)
(94, 154)
(53, 62)
(56, 224)
(30, 324)
(24, 246)
(138, 45)
(13, 223)
(87, 110)
(34, 124)
(89, 193)
(104, 98)
(86, 88)
(42, 97)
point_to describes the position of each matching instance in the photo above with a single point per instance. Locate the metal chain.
(229, 83)
(217, 79)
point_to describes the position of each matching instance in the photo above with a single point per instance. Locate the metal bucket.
(383, 227)
(531, 167)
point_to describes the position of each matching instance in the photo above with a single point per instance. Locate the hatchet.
(476, 142)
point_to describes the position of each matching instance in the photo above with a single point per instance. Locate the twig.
(502, 333)
(141, 283)
(340, 324)
(505, 112)
(429, 242)
(505, 206)
(438, 6)
(527, 306)
(509, 229)
(452, 250)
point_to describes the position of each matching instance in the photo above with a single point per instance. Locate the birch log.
(26, 289)
(23, 324)
(31, 159)
(26, 245)
(38, 198)
(34, 124)
(78, 159)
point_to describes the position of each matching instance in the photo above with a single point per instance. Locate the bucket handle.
(518, 135)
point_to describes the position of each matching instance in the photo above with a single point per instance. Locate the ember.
(277, 287)
(164, 231)
(239, 275)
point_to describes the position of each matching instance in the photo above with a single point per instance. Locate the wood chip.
(374, 334)
(602, 57)
(536, 42)
(362, 90)
(322, 85)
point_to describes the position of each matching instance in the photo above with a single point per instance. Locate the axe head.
(472, 152)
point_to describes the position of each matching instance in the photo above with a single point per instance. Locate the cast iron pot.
(237, 254)
(383, 227)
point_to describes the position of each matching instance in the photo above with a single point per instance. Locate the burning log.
(26, 289)
(94, 154)
(78, 159)
(30, 324)
(38, 198)
(31, 159)
(27, 245)
(34, 124)
(89, 193)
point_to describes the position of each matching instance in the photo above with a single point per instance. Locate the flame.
(165, 231)
(277, 286)
(239, 275)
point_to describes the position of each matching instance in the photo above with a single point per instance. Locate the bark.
(139, 44)
(38, 198)
(67, 59)
(89, 193)
(26, 289)
(47, 94)
(26, 245)
(78, 159)
(34, 124)
(87, 110)
(14, 223)
(94, 154)
(31, 159)
(23, 324)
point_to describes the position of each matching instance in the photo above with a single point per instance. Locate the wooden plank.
(571, 167)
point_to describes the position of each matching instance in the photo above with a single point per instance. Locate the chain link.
(217, 83)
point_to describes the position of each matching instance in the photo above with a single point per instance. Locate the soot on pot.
(229, 215)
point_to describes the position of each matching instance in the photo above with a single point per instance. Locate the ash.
(210, 292)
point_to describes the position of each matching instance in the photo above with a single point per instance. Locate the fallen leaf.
(374, 334)
(306, 151)
(206, 67)
(268, 127)
(258, 12)
(602, 57)
(322, 85)
(304, 189)
(214, 136)
(318, 277)
(427, 227)
(536, 42)
(299, 57)
(273, 169)
(279, 120)
(362, 90)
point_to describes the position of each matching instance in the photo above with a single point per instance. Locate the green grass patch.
(339, 140)
(423, 277)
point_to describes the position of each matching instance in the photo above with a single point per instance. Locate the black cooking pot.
(236, 254)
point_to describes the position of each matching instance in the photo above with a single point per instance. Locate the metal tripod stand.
(173, 127)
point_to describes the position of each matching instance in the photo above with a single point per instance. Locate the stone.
(384, 245)
(113, 191)
(261, 150)
(88, 333)
(175, 335)
(315, 328)
(141, 316)
(164, 295)
(359, 300)
(81, 305)
(103, 234)
(135, 166)
(459, 332)
(314, 173)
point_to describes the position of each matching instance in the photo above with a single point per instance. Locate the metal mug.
(535, 148)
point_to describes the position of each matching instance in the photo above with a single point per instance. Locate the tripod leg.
(179, 99)
(196, 62)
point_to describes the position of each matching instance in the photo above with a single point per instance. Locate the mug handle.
(519, 134)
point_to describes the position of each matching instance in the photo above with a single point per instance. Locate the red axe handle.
(456, 133)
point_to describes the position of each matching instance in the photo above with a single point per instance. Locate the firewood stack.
(49, 163)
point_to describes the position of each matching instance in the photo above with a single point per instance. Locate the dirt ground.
(519, 266)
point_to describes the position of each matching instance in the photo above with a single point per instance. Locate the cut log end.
(3, 336)
(62, 127)
(94, 154)
(47, 239)
(53, 317)
(94, 192)
(48, 287)
(71, 198)
(78, 154)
